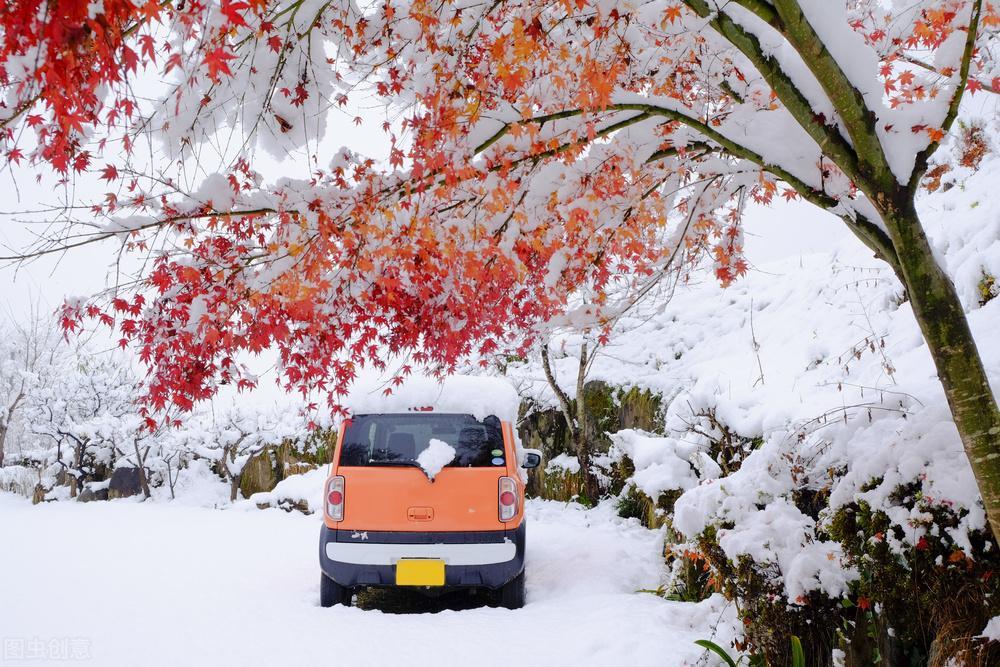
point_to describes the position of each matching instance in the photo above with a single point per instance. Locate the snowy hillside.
(822, 359)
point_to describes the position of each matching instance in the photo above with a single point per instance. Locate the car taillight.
(335, 498)
(507, 498)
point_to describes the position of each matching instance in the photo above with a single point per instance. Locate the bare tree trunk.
(228, 457)
(5, 421)
(943, 323)
(171, 476)
(591, 487)
(143, 481)
(577, 424)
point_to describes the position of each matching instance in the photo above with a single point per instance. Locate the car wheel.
(331, 593)
(512, 593)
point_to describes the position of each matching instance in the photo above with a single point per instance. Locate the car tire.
(331, 593)
(512, 593)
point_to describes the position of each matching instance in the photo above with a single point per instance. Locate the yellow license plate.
(419, 572)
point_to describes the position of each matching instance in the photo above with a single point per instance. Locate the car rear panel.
(404, 499)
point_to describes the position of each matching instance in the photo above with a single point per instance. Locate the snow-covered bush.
(29, 347)
(936, 594)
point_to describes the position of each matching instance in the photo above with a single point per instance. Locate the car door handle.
(420, 513)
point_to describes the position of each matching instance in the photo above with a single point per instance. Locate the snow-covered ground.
(127, 583)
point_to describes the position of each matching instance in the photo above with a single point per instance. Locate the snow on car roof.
(463, 394)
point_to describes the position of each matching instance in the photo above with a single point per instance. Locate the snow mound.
(563, 463)
(437, 455)
(661, 464)
(462, 394)
(302, 490)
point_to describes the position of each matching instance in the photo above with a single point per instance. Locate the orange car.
(398, 514)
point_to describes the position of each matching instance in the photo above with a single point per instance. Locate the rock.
(258, 474)
(286, 504)
(124, 483)
(275, 463)
(290, 505)
(89, 494)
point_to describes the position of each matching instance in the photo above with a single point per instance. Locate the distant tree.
(29, 346)
(230, 435)
(83, 416)
(535, 148)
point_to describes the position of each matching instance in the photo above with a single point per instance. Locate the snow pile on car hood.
(460, 394)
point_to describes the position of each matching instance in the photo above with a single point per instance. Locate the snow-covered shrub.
(936, 592)
(698, 447)
(302, 492)
(18, 479)
(860, 533)
(561, 479)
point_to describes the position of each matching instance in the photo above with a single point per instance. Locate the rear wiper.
(399, 463)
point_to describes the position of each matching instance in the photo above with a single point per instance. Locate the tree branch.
(827, 137)
(874, 238)
(96, 238)
(846, 99)
(923, 158)
(560, 394)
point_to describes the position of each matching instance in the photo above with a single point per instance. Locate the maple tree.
(537, 150)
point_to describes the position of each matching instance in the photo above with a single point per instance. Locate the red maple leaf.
(217, 62)
(148, 47)
(109, 173)
(233, 13)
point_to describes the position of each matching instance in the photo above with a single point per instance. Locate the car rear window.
(398, 439)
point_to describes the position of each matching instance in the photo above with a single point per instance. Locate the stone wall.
(276, 462)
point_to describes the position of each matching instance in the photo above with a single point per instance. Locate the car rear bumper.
(368, 558)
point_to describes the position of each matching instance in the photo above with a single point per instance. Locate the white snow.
(248, 594)
(306, 487)
(992, 630)
(436, 456)
(465, 394)
(661, 464)
(563, 462)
